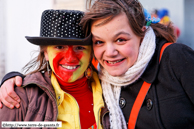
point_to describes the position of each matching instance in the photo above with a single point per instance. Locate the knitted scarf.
(112, 85)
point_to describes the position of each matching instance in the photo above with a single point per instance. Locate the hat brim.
(60, 41)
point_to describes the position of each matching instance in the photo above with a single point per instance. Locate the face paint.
(69, 62)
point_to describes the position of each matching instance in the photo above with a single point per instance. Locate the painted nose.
(70, 55)
(111, 50)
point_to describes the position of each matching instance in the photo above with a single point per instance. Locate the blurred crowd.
(163, 14)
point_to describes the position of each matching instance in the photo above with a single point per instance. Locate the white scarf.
(112, 85)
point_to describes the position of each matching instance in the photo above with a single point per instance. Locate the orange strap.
(140, 97)
(163, 47)
(137, 105)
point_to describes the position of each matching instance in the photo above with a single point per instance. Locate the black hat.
(61, 27)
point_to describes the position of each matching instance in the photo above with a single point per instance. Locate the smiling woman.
(117, 47)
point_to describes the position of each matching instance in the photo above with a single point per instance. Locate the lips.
(114, 62)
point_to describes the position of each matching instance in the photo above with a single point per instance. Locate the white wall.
(2, 38)
(70, 4)
(22, 19)
(189, 26)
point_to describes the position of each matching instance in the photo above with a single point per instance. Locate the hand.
(7, 94)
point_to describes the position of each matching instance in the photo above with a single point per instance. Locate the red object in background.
(178, 32)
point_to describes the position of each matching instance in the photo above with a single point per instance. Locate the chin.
(116, 73)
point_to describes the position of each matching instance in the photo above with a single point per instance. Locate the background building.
(21, 18)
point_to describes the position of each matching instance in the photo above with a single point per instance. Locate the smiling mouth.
(70, 67)
(114, 62)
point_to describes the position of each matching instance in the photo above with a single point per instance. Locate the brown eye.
(60, 47)
(98, 42)
(80, 48)
(120, 40)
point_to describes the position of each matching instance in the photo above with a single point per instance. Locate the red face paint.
(66, 63)
(69, 62)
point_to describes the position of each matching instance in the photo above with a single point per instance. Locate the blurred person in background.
(154, 13)
(163, 14)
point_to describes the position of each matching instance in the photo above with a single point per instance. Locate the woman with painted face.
(146, 83)
(62, 87)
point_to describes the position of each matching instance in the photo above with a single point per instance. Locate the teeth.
(114, 62)
(69, 67)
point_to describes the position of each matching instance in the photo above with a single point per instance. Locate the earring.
(88, 72)
(48, 69)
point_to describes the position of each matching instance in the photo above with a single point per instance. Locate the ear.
(143, 28)
(46, 55)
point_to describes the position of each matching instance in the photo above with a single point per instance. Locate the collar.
(77, 89)
(151, 71)
(96, 89)
(58, 91)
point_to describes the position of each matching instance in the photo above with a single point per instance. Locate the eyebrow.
(95, 36)
(116, 35)
(122, 32)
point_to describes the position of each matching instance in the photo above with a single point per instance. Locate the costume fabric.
(82, 93)
(112, 85)
(68, 108)
(40, 102)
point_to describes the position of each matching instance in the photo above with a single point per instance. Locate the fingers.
(3, 100)
(8, 96)
(18, 81)
(9, 105)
